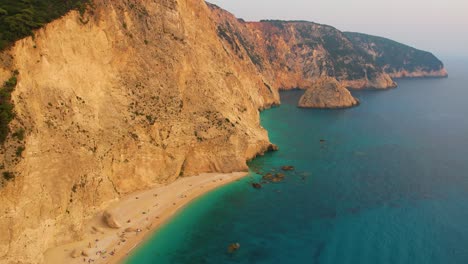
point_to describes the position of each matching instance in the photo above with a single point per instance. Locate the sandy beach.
(139, 215)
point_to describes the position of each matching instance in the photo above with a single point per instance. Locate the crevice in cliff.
(10, 240)
(182, 169)
(113, 186)
(268, 87)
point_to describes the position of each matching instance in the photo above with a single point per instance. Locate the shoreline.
(140, 215)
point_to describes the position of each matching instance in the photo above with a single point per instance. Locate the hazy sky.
(439, 26)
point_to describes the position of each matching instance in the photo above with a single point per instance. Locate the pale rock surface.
(419, 73)
(141, 94)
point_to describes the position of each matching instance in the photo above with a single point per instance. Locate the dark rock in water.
(278, 177)
(268, 176)
(287, 168)
(233, 247)
(256, 185)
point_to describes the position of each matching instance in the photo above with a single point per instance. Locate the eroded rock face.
(294, 54)
(327, 92)
(141, 94)
(396, 59)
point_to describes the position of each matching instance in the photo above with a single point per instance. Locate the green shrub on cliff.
(7, 175)
(19, 17)
(6, 107)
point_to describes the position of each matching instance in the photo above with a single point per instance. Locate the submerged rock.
(233, 247)
(277, 179)
(327, 92)
(268, 177)
(256, 185)
(287, 168)
(280, 175)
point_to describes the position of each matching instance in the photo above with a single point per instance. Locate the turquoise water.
(389, 185)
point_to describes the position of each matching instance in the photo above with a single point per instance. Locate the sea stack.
(327, 92)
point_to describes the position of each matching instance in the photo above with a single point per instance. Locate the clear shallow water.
(389, 185)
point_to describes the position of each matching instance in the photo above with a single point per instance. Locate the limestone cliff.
(293, 54)
(132, 94)
(140, 92)
(398, 60)
(327, 92)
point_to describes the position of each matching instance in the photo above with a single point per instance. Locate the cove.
(388, 184)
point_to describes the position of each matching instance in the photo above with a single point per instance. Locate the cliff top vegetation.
(18, 18)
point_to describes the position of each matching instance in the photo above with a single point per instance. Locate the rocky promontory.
(327, 92)
(396, 59)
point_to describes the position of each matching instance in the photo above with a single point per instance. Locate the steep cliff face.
(398, 60)
(293, 54)
(134, 93)
(301, 52)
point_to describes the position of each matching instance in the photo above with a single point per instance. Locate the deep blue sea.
(388, 185)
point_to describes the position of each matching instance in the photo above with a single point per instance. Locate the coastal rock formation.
(293, 54)
(327, 92)
(133, 94)
(138, 93)
(398, 60)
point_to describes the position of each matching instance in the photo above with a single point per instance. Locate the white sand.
(146, 210)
